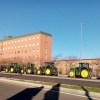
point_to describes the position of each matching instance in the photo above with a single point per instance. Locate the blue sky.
(61, 18)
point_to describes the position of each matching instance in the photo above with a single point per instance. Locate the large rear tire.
(84, 73)
(29, 71)
(48, 71)
(71, 74)
(12, 70)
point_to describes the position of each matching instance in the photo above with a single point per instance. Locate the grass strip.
(76, 87)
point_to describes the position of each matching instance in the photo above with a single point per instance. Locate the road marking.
(19, 84)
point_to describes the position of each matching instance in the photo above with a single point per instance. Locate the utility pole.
(81, 43)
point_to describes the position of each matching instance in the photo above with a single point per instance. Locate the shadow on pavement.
(50, 95)
(98, 78)
(26, 94)
(87, 93)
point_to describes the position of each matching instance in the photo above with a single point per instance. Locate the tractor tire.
(84, 73)
(6, 70)
(39, 72)
(48, 71)
(71, 74)
(22, 71)
(29, 71)
(12, 70)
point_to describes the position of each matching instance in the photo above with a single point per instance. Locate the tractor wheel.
(12, 70)
(29, 71)
(39, 72)
(22, 71)
(6, 70)
(84, 73)
(71, 74)
(48, 71)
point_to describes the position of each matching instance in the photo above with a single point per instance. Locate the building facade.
(33, 45)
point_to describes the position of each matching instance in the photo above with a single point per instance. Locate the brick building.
(33, 45)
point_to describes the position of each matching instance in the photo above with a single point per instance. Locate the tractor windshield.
(12, 64)
(83, 65)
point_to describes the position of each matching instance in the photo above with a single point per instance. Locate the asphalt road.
(57, 80)
(18, 92)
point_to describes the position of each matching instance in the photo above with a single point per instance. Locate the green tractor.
(13, 68)
(29, 69)
(48, 69)
(82, 71)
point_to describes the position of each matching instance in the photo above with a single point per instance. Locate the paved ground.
(83, 82)
(18, 92)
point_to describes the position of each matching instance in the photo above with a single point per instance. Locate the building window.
(25, 45)
(33, 38)
(15, 46)
(6, 42)
(22, 45)
(37, 43)
(6, 48)
(37, 37)
(12, 41)
(12, 47)
(18, 40)
(15, 52)
(18, 51)
(22, 40)
(3, 48)
(9, 48)
(9, 42)
(33, 44)
(3, 43)
(15, 41)
(29, 44)
(29, 38)
(18, 46)
(25, 39)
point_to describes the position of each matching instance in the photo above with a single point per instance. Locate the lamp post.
(81, 43)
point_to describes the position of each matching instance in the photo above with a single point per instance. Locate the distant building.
(33, 45)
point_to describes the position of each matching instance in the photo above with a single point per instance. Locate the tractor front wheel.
(71, 74)
(84, 73)
(6, 70)
(22, 71)
(39, 72)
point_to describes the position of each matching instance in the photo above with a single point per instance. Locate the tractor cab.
(14, 64)
(49, 63)
(84, 65)
(30, 65)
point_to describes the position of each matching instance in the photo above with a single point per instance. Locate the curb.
(60, 89)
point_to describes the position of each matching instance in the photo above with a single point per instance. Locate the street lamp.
(81, 44)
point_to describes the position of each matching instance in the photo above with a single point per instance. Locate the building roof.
(25, 35)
